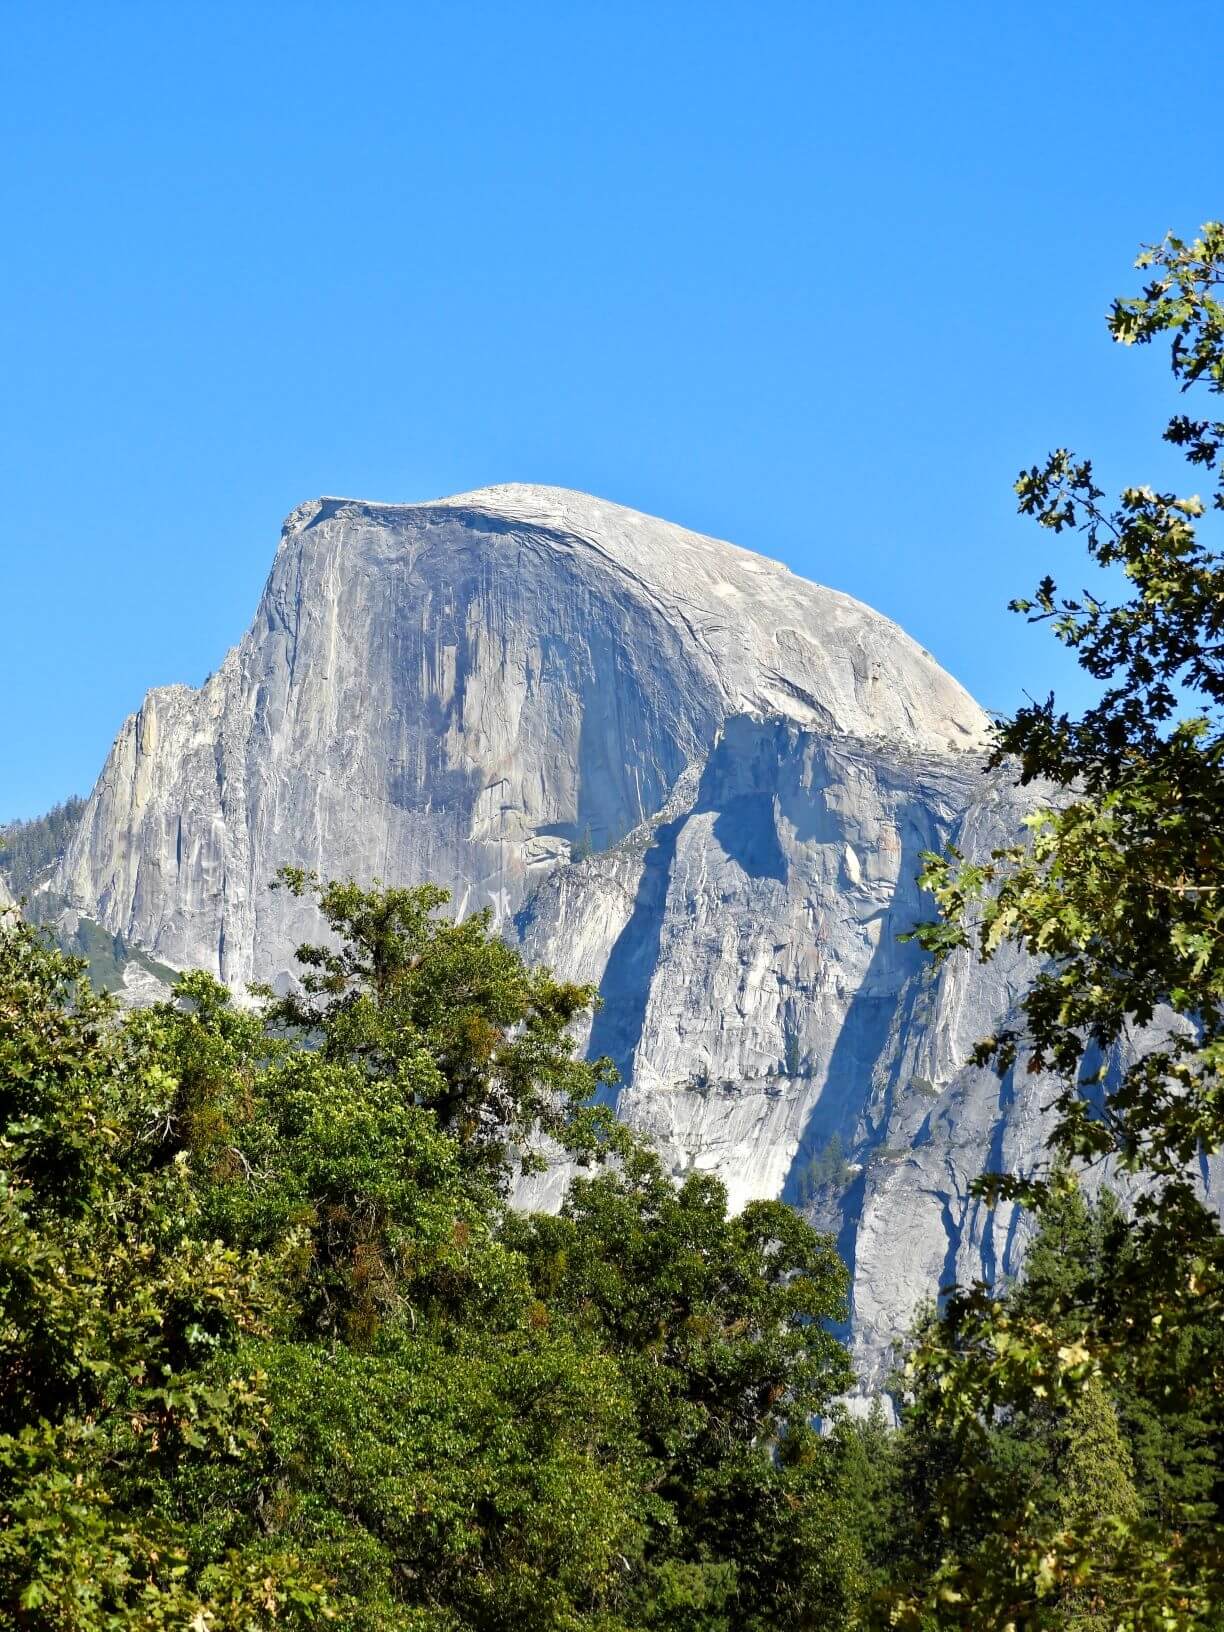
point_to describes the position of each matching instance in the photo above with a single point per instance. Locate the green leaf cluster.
(115, 1307)
(1074, 1497)
(1118, 892)
(277, 1352)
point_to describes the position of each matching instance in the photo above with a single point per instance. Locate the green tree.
(826, 1170)
(1119, 891)
(481, 1040)
(1154, 1445)
(720, 1327)
(1174, 1436)
(441, 1446)
(865, 1474)
(120, 1332)
(28, 850)
(1096, 1476)
(277, 1352)
(1096, 1490)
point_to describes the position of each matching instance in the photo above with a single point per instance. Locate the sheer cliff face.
(746, 943)
(672, 768)
(463, 691)
(769, 1025)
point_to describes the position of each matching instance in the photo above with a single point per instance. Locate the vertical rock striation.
(465, 691)
(670, 767)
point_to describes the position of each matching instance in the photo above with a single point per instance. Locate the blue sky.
(817, 279)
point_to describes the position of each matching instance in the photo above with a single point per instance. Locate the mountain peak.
(704, 780)
(778, 643)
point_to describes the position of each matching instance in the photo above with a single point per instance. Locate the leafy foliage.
(120, 1327)
(1123, 1457)
(476, 1036)
(719, 1326)
(276, 1353)
(1120, 893)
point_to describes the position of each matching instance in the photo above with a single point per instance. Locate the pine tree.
(1096, 1490)
(1096, 1473)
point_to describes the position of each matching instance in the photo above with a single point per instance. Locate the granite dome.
(671, 767)
(463, 690)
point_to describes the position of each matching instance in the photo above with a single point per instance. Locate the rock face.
(745, 942)
(464, 691)
(671, 767)
(769, 1025)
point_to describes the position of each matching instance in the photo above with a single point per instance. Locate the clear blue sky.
(815, 278)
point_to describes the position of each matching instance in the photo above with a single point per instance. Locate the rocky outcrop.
(769, 1025)
(670, 767)
(746, 942)
(465, 691)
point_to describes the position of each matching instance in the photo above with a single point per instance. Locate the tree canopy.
(28, 850)
(1118, 892)
(276, 1352)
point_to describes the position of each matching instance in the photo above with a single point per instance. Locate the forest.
(28, 849)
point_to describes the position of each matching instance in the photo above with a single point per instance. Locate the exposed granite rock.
(934, 1123)
(462, 691)
(764, 1015)
(672, 768)
(745, 942)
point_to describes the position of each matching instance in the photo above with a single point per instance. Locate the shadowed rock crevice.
(633, 960)
(952, 1231)
(502, 693)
